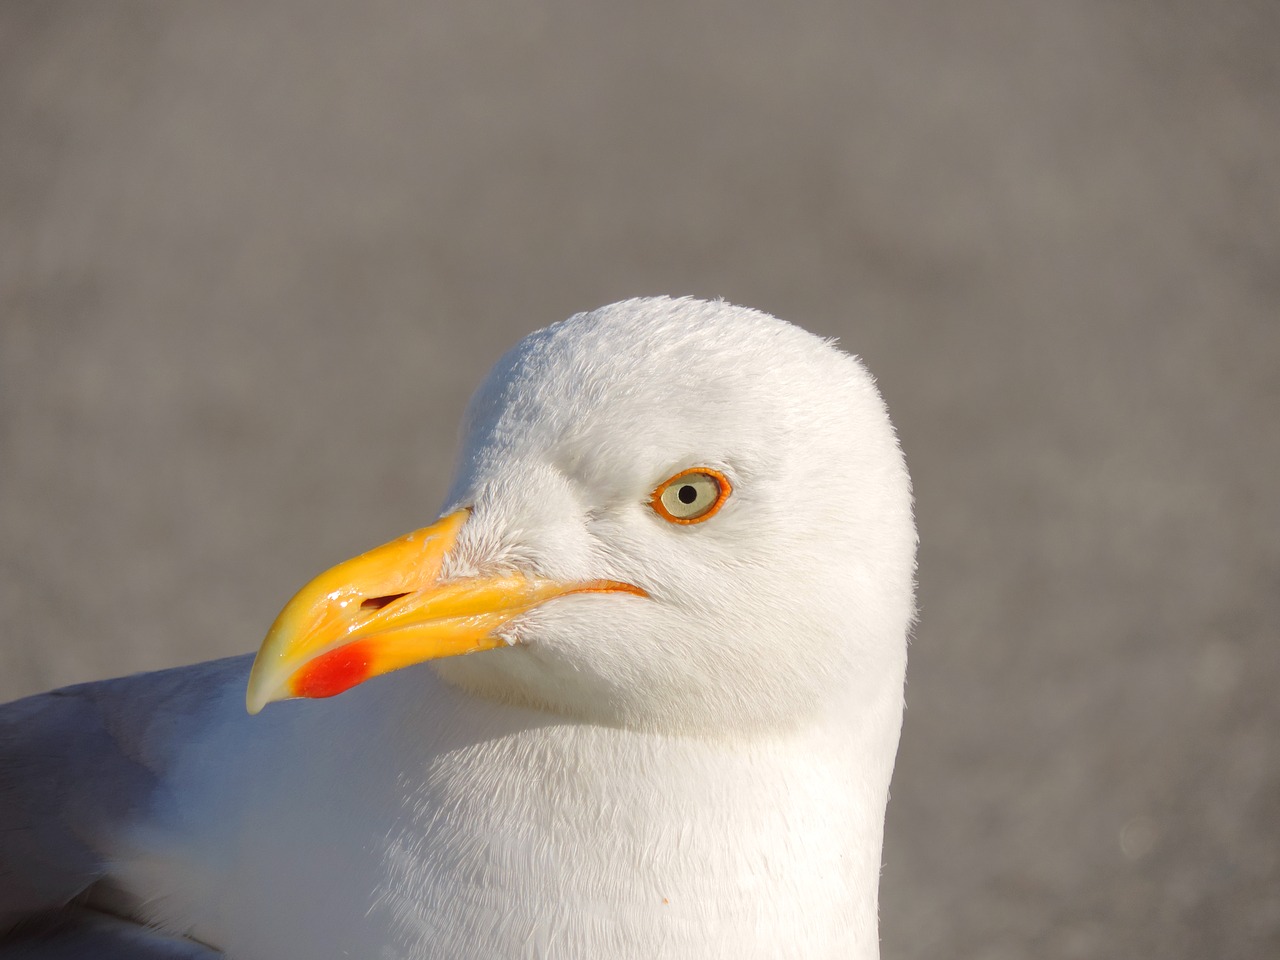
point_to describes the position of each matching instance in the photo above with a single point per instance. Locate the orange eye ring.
(711, 487)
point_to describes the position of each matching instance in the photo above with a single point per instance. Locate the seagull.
(636, 693)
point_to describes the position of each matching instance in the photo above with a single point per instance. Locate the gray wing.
(79, 766)
(82, 934)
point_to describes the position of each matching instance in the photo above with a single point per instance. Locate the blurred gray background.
(255, 255)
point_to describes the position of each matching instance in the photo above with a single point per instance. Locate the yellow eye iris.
(691, 496)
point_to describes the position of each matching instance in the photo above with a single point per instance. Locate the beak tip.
(254, 701)
(259, 691)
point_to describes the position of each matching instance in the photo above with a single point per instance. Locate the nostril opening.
(377, 603)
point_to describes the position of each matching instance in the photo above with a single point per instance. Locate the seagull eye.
(691, 496)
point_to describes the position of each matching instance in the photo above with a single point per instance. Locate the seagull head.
(667, 514)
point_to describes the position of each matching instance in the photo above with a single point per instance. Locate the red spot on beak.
(334, 672)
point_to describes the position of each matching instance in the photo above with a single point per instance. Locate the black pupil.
(687, 494)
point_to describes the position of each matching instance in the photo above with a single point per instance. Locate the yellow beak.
(387, 609)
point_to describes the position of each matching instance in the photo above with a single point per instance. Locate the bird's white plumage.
(701, 773)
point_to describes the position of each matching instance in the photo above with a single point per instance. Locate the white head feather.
(794, 598)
